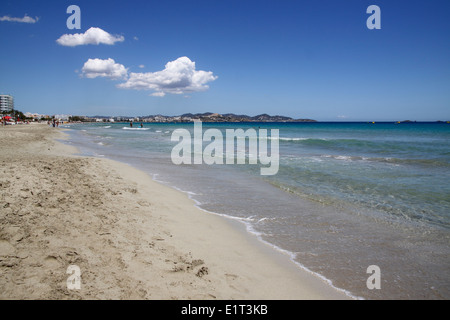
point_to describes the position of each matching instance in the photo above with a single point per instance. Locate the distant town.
(8, 111)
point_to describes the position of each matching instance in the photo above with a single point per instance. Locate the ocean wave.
(294, 139)
(362, 146)
(390, 160)
(143, 129)
(326, 141)
(329, 143)
(421, 162)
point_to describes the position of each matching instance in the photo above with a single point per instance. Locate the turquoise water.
(403, 170)
(346, 196)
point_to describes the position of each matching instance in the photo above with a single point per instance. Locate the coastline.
(132, 237)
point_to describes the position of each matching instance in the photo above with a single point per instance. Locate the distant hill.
(231, 117)
(204, 117)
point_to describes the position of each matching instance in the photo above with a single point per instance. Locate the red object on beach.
(7, 117)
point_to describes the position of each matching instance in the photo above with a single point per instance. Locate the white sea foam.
(342, 157)
(287, 139)
(293, 139)
(296, 138)
(128, 128)
(264, 219)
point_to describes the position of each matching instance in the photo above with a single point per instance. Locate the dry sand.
(131, 237)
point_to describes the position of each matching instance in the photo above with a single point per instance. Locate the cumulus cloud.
(25, 19)
(108, 68)
(178, 77)
(91, 36)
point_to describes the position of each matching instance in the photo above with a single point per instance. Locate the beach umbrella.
(7, 117)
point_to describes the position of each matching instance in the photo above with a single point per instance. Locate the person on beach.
(142, 125)
(131, 124)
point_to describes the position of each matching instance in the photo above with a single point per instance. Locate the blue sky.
(304, 59)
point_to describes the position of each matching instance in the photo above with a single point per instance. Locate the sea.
(346, 197)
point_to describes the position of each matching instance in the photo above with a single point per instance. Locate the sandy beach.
(131, 237)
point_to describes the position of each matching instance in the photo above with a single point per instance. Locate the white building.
(6, 103)
(62, 117)
(35, 116)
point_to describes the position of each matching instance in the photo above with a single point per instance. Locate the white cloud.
(141, 66)
(91, 36)
(108, 68)
(158, 94)
(25, 19)
(178, 77)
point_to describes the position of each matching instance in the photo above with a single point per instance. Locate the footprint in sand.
(6, 248)
(231, 280)
(51, 262)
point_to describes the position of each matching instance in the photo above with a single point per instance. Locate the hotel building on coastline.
(6, 103)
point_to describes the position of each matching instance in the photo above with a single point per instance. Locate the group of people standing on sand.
(55, 123)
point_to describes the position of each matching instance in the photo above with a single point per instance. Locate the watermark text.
(189, 150)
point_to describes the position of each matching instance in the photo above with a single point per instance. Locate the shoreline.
(282, 256)
(132, 237)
